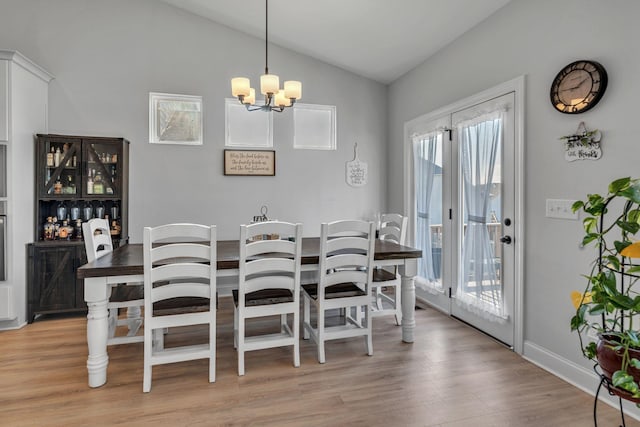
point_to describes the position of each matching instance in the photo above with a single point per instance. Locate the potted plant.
(609, 307)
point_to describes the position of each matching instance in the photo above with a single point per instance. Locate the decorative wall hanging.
(250, 162)
(356, 170)
(583, 144)
(175, 119)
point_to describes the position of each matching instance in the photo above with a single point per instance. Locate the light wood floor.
(451, 376)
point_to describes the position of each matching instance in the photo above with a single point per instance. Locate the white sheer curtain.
(480, 289)
(424, 161)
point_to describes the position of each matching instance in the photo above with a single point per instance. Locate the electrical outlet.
(558, 208)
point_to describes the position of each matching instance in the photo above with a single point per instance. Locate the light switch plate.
(559, 208)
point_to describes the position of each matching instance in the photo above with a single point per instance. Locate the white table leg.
(96, 295)
(407, 271)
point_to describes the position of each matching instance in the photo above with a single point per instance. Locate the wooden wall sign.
(250, 162)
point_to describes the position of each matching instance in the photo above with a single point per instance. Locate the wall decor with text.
(250, 162)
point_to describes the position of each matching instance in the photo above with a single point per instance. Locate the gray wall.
(107, 56)
(536, 39)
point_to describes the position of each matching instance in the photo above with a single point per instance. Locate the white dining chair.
(179, 263)
(98, 243)
(268, 285)
(344, 281)
(393, 228)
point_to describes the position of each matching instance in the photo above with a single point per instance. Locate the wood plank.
(451, 376)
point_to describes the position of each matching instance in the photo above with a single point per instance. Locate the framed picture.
(175, 119)
(246, 129)
(250, 162)
(314, 127)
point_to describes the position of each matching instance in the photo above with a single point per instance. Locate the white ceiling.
(379, 39)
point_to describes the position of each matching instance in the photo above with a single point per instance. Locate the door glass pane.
(428, 187)
(480, 281)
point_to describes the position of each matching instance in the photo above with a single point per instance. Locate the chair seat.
(123, 292)
(382, 275)
(169, 305)
(264, 297)
(340, 290)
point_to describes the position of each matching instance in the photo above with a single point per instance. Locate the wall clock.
(578, 87)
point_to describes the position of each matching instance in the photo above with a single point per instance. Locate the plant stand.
(604, 381)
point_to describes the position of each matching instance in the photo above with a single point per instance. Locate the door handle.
(506, 240)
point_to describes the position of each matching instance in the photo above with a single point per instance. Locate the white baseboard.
(579, 376)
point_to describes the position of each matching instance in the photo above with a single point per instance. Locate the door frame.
(516, 85)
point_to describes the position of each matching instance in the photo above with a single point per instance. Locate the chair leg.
(241, 347)
(369, 336)
(235, 327)
(212, 351)
(320, 332)
(146, 381)
(113, 322)
(398, 305)
(296, 339)
(306, 317)
(134, 320)
(378, 291)
(158, 339)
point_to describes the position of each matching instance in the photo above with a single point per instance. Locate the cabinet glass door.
(103, 168)
(61, 168)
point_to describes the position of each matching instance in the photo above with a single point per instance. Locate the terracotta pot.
(611, 360)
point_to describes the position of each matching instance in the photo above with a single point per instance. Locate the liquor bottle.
(115, 228)
(98, 185)
(89, 184)
(50, 158)
(57, 187)
(63, 231)
(77, 232)
(56, 157)
(48, 229)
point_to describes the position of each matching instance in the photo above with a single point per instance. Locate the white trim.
(26, 63)
(517, 86)
(576, 375)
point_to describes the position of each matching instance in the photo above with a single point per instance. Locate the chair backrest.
(184, 255)
(346, 254)
(393, 227)
(273, 263)
(97, 240)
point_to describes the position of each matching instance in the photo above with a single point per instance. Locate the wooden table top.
(128, 259)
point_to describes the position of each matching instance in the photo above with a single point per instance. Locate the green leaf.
(596, 309)
(624, 381)
(577, 206)
(613, 261)
(590, 350)
(589, 238)
(590, 224)
(635, 363)
(632, 192)
(634, 215)
(619, 184)
(631, 227)
(634, 269)
(621, 245)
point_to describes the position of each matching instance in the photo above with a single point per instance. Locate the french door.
(463, 212)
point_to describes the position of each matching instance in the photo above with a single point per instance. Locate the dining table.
(125, 265)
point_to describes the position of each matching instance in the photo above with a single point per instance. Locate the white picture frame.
(247, 129)
(175, 119)
(314, 127)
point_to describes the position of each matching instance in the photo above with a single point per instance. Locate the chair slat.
(181, 251)
(265, 265)
(267, 246)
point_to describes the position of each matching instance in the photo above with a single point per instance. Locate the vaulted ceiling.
(378, 39)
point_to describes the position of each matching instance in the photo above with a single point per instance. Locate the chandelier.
(275, 99)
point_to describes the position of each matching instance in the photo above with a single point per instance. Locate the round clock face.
(578, 87)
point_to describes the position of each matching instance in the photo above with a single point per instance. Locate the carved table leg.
(96, 296)
(407, 272)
